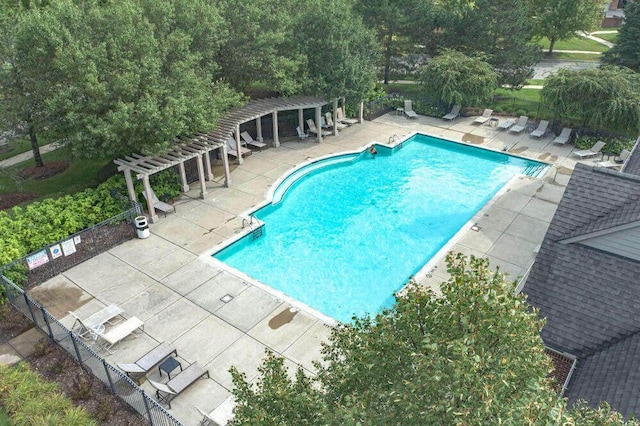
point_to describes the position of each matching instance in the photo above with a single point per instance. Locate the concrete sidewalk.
(17, 159)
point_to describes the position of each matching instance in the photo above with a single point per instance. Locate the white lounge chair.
(455, 112)
(120, 332)
(343, 119)
(564, 136)
(301, 134)
(157, 204)
(408, 109)
(486, 115)
(313, 129)
(232, 148)
(617, 161)
(330, 122)
(85, 327)
(207, 420)
(594, 150)
(505, 124)
(541, 130)
(149, 360)
(248, 140)
(166, 392)
(520, 125)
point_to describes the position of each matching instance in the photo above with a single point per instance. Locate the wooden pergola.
(201, 144)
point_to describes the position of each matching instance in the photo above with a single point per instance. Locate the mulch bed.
(48, 170)
(13, 199)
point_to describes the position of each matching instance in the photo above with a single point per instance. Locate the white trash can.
(142, 227)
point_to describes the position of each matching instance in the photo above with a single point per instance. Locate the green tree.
(626, 52)
(561, 19)
(459, 79)
(500, 30)
(472, 356)
(605, 97)
(341, 52)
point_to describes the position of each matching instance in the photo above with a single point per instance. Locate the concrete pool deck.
(167, 282)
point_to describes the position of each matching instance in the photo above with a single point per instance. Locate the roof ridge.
(609, 343)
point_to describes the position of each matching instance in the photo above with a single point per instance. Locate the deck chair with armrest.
(85, 327)
(408, 109)
(115, 335)
(232, 148)
(341, 118)
(330, 122)
(564, 136)
(166, 392)
(541, 130)
(313, 129)
(486, 115)
(248, 140)
(594, 150)
(520, 125)
(455, 112)
(505, 124)
(148, 361)
(617, 162)
(157, 204)
(301, 134)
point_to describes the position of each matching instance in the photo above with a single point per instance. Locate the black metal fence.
(56, 258)
(119, 383)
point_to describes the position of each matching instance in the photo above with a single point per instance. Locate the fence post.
(46, 321)
(33, 317)
(106, 370)
(75, 347)
(146, 405)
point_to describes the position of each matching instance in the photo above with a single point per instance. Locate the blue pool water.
(349, 231)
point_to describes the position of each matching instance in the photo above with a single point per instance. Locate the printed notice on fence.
(77, 239)
(56, 251)
(68, 247)
(37, 259)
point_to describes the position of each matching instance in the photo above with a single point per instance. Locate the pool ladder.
(395, 138)
(255, 232)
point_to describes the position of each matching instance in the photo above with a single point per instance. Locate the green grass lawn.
(20, 145)
(535, 82)
(575, 43)
(81, 174)
(586, 57)
(408, 89)
(613, 38)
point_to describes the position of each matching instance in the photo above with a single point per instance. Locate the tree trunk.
(35, 148)
(387, 58)
(552, 41)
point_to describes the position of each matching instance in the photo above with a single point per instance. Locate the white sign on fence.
(56, 251)
(37, 259)
(68, 247)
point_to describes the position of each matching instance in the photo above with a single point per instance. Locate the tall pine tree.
(626, 52)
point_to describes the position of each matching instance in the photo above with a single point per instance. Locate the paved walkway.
(219, 318)
(26, 155)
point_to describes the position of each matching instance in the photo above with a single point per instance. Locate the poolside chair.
(114, 336)
(207, 420)
(617, 161)
(594, 150)
(232, 148)
(486, 115)
(149, 360)
(248, 140)
(564, 136)
(313, 129)
(455, 112)
(157, 204)
(85, 328)
(166, 392)
(341, 118)
(301, 134)
(506, 123)
(330, 122)
(541, 130)
(408, 109)
(520, 125)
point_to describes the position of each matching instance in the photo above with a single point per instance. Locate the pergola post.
(276, 139)
(153, 217)
(361, 113)
(183, 177)
(259, 129)
(203, 186)
(238, 146)
(207, 163)
(225, 163)
(335, 116)
(301, 119)
(318, 127)
(129, 181)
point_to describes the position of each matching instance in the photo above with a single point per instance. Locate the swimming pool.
(343, 234)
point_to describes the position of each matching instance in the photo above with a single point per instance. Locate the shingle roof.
(632, 166)
(611, 375)
(590, 298)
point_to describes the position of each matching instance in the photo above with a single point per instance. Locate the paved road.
(548, 66)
